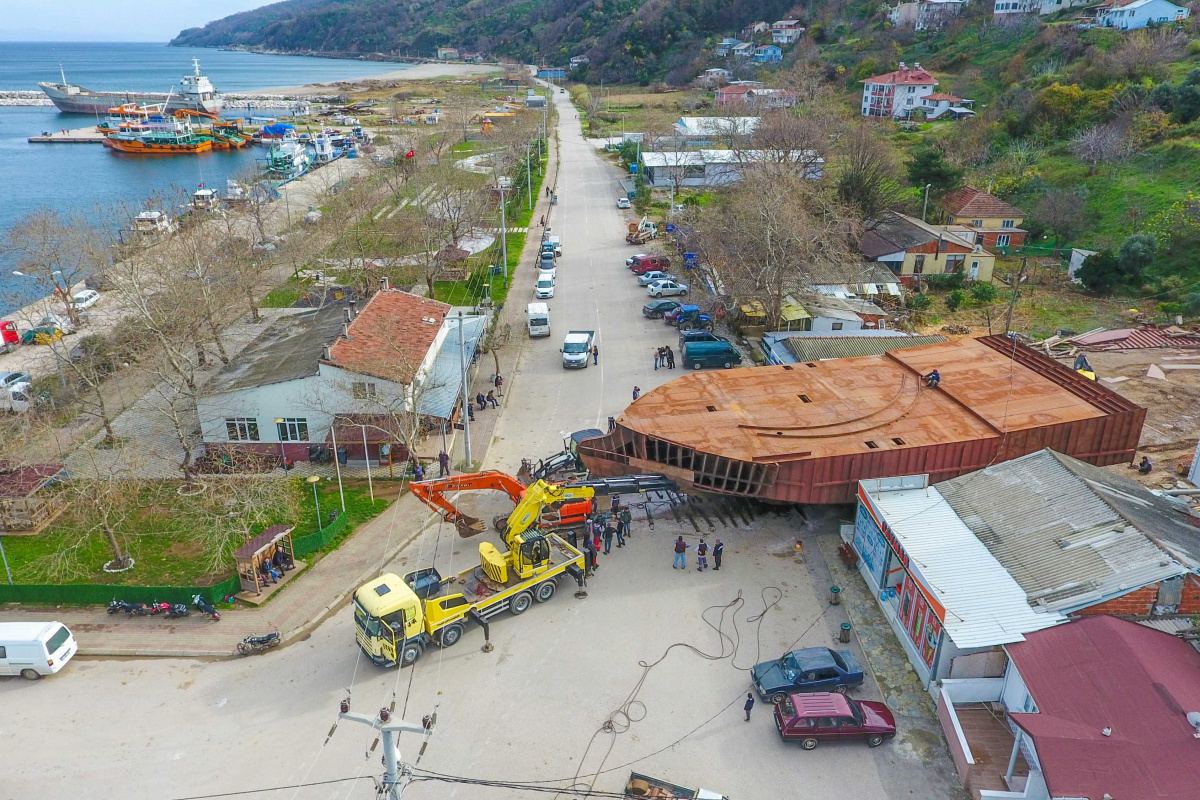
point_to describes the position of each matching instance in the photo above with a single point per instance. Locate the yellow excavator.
(397, 618)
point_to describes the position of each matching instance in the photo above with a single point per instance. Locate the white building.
(719, 167)
(700, 130)
(786, 31)
(940, 104)
(1135, 14)
(897, 94)
(924, 15)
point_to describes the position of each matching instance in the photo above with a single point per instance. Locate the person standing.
(608, 537)
(499, 385)
(595, 354)
(625, 517)
(418, 470)
(749, 705)
(616, 504)
(620, 532)
(670, 357)
(680, 561)
(657, 357)
(637, 392)
(702, 555)
(589, 553)
(596, 545)
(718, 551)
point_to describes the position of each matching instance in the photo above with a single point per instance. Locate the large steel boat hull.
(85, 101)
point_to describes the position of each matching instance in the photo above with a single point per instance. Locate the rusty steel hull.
(1108, 435)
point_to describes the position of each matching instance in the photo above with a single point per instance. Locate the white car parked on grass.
(666, 289)
(654, 276)
(85, 299)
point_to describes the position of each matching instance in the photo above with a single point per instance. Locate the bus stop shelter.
(272, 547)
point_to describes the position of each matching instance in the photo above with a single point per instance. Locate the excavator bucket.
(468, 526)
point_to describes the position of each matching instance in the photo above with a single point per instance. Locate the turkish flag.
(410, 154)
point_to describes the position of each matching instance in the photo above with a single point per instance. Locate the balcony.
(981, 740)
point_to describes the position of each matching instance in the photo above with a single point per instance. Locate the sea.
(81, 178)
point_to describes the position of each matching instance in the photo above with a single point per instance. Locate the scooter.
(130, 609)
(206, 608)
(256, 644)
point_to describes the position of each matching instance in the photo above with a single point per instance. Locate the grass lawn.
(286, 295)
(180, 541)
(1041, 311)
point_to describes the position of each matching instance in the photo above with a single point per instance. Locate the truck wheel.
(409, 654)
(808, 744)
(697, 365)
(840, 689)
(520, 603)
(450, 635)
(874, 741)
(778, 697)
(31, 675)
(544, 591)
(728, 365)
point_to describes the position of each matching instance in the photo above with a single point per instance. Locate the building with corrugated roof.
(809, 432)
(795, 347)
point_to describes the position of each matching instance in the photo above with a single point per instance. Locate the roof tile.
(971, 202)
(391, 336)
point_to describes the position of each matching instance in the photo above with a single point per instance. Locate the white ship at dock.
(195, 93)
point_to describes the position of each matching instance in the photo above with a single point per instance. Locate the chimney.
(346, 330)
(349, 317)
(383, 284)
(903, 68)
(325, 354)
(916, 67)
(353, 309)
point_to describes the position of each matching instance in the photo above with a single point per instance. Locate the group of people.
(272, 568)
(702, 552)
(599, 531)
(664, 357)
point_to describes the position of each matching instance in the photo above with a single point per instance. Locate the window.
(837, 326)
(242, 429)
(3, 653)
(57, 640)
(363, 390)
(1008, 223)
(976, 223)
(871, 445)
(918, 264)
(1002, 240)
(954, 263)
(293, 429)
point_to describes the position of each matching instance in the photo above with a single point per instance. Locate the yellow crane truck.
(397, 618)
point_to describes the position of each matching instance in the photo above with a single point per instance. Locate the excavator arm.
(433, 494)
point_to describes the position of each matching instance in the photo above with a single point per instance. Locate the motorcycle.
(256, 644)
(169, 610)
(206, 608)
(130, 609)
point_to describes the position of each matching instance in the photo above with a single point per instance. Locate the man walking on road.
(749, 705)
(680, 561)
(718, 551)
(443, 464)
(595, 354)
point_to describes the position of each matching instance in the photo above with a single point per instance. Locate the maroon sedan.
(814, 716)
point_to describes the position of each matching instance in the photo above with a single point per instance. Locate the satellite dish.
(1193, 718)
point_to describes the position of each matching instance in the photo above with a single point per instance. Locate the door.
(5, 669)
(973, 274)
(824, 680)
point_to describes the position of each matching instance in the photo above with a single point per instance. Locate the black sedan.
(812, 669)
(656, 309)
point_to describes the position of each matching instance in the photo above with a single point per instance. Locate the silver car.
(654, 276)
(666, 289)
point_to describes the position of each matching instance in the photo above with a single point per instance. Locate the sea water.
(80, 178)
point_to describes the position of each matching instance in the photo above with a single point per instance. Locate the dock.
(87, 135)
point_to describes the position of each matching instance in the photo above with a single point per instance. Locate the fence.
(95, 594)
(317, 540)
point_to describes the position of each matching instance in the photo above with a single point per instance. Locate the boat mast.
(62, 74)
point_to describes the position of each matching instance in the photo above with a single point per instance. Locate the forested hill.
(625, 39)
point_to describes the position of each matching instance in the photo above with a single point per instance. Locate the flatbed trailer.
(396, 619)
(650, 788)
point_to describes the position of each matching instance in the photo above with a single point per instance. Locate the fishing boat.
(125, 115)
(288, 159)
(159, 136)
(194, 92)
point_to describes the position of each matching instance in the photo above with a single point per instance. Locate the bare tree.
(1100, 144)
(1060, 210)
(55, 252)
(868, 178)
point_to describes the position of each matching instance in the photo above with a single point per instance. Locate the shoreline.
(417, 72)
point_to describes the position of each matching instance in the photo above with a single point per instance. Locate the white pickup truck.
(577, 349)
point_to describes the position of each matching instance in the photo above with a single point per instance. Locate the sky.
(109, 20)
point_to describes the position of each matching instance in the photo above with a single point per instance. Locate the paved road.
(594, 290)
(529, 710)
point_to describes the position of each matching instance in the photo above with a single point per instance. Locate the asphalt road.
(563, 694)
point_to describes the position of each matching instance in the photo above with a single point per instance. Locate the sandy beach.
(415, 72)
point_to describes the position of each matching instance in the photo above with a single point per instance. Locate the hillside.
(630, 40)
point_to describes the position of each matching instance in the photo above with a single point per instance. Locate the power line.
(244, 792)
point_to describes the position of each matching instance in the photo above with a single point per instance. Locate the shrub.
(1191, 304)
(955, 299)
(918, 302)
(1171, 309)
(983, 293)
(944, 283)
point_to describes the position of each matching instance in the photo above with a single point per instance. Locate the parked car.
(699, 355)
(642, 264)
(547, 268)
(9, 379)
(85, 299)
(811, 669)
(546, 261)
(647, 278)
(544, 289)
(698, 335)
(657, 309)
(666, 288)
(623, 202)
(809, 718)
(629, 261)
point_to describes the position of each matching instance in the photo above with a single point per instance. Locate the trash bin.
(844, 636)
(342, 456)
(835, 595)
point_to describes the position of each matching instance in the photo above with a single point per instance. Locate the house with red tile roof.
(1097, 708)
(897, 94)
(940, 104)
(994, 222)
(311, 373)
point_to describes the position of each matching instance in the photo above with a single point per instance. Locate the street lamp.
(279, 421)
(925, 206)
(314, 480)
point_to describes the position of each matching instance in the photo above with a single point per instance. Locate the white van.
(538, 318)
(35, 649)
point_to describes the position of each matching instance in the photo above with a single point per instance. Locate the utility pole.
(3, 532)
(528, 179)
(925, 205)
(1012, 303)
(503, 236)
(392, 768)
(466, 401)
